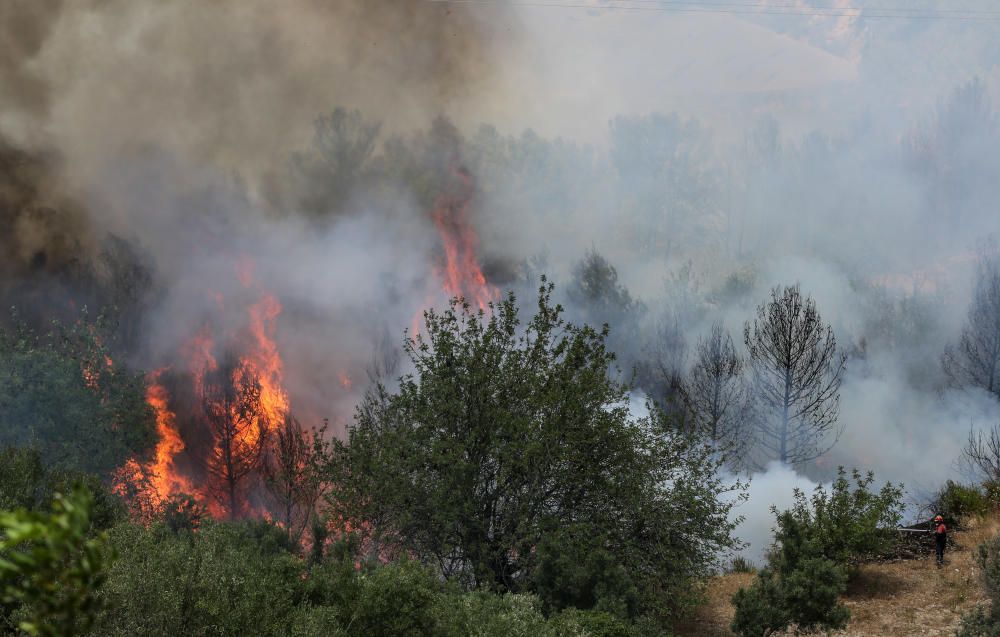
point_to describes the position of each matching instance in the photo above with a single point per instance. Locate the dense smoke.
(177, 160)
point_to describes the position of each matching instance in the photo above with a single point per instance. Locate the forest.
(406, 373)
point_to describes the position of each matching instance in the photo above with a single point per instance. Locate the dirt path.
(903, 599)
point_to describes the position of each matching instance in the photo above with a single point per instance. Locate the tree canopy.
(510, 447)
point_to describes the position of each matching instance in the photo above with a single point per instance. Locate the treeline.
(504, 482)
(506, 463)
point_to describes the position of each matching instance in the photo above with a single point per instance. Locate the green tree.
(26, 483)
(62, 394)
(505, 433)
(599, 298)
(52, 567)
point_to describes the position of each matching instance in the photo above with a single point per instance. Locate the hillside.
(904, 598)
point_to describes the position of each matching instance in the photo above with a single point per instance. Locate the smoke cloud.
(708, 158)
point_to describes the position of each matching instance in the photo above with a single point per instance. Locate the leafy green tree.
(52, 567)
(25, 483)
(238, 578)
(505, 433)
(61, 393)
(597, 296)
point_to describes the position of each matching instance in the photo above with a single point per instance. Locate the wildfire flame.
(461, 273)
(164, 477)
(257, 357)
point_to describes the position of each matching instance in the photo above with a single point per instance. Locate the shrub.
(848, 524)
(992, 492)
(985, 622)
(760, 608)
(575, 570)
(958, 500)
(740, 564)
(52, 568)
(816, 542)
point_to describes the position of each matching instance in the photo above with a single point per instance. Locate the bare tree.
(233, 411)
(718, 396)
(976, 359)
(797, 373)
(293, 474)
(981, 454)
(661, 371)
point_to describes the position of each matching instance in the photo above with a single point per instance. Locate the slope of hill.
(893, 599)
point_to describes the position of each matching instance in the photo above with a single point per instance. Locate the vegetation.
(817, 542)
(509, 462)
(975, 360)
(955, 501)
(51, 567)
(62, 394)
(985, 622)
(502, 487)
(797, 372)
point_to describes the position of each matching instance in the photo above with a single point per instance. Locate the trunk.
(783, 454)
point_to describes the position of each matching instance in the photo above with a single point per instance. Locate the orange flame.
(461, 273)
(265, 362)
(164, 477)
(258, 355)
(345, 380)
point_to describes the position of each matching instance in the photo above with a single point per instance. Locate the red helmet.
(938, 518)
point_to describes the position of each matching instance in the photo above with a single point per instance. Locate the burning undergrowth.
(225, 390)
(216, 414)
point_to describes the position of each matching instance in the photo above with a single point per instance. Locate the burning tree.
(237, 420)
(294, 473)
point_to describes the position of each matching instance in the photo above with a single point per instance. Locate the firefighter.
(940, 538)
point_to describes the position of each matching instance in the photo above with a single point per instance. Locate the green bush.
(239, 578)
(760, 608)
(740, 564)
(985, 622)
(955, 500)
(51, 567)
(226, 579)
(848, 523)
(575, 570)
(25, 483)
(816, 543)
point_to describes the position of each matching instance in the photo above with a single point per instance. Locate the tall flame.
(461, 273)
(164, 476)
(257, 357)
(264, 360)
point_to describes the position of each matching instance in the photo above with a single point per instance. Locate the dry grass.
(902, 599)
